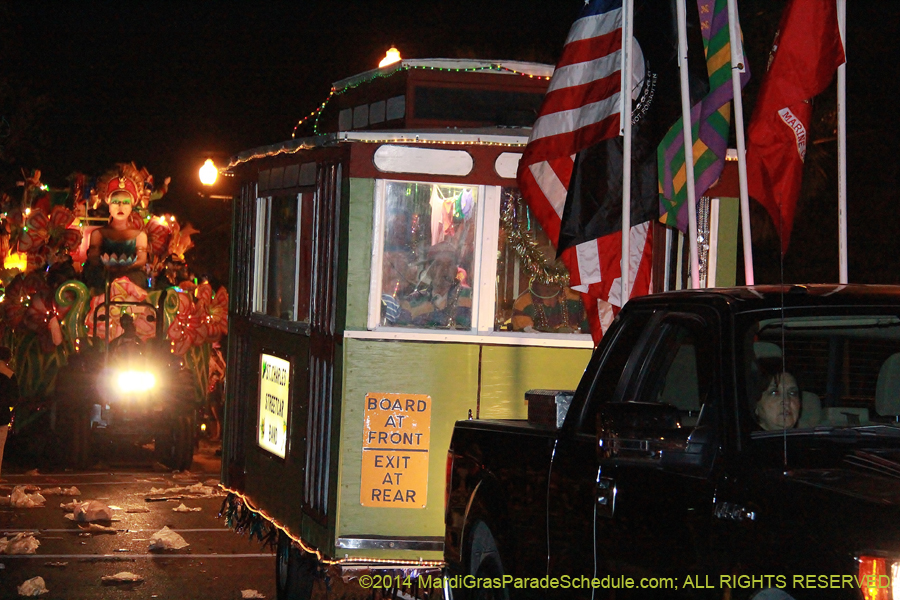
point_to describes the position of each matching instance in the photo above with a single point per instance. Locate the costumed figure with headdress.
(121, 245)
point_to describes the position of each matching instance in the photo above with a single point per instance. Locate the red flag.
(804, 57)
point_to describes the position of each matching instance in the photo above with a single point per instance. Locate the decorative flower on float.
(159, 234)
(43, 239)
(184, 331)
(181, 239)
(61, 237)
(15, 297)
(122, 290)
(28, 232)
(28, 302)
(212, 312)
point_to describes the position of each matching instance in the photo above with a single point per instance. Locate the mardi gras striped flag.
(710, 119)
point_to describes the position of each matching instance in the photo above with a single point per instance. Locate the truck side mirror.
(639, 430)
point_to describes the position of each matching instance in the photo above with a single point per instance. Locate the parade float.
(111, 337)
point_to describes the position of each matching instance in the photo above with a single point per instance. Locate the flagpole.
(738, 67)
(688, 143)
(842, 144)
(627, 69)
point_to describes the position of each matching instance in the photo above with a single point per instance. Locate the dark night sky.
(161, 83)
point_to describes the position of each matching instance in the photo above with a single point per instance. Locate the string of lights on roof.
(266, 154)
(393, 139)
(388, 73)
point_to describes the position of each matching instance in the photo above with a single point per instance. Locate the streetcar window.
(428, 255)
(281, 283)
(532, 295)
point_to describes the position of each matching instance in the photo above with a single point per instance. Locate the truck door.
(643, 455)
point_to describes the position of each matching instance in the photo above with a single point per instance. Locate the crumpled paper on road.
(33, 587)
(91, 510)
(123, 577)
(19, 498)
(182, 508)
(251, 594)
(166, 539)
(198, 490)
(21, 543)
(97, 528)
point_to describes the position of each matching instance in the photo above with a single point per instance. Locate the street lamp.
(208, 172)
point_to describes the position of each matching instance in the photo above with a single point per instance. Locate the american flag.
(581, 109)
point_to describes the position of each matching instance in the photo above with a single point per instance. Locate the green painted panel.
(359, 254)
(726, 252)
(446, 372)
(449, 374)
(510, 371)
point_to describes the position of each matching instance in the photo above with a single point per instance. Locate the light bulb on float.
(392, 56)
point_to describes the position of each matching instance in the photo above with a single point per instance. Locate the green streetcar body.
(353, 380)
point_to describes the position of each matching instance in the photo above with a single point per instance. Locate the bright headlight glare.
(136, 381)
(879, 578)
(895, 579)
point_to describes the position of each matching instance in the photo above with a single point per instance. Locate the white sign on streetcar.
(274, 400)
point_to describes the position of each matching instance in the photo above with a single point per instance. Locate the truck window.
(532, 291)
(844, 367)
(626, 341)
(660, 410)
(673, 374)
(428, 255)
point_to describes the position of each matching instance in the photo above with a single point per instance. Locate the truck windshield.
(819, 371)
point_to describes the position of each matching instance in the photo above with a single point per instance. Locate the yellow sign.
(396, 438)
(274, 403)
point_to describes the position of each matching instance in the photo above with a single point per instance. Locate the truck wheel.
(183, 435)
(80, 438)
(294, 571)
(485, 563)
(174, 447)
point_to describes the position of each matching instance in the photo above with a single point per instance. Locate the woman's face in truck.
(779, 405)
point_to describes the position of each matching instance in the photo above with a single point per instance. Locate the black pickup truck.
(730, 443)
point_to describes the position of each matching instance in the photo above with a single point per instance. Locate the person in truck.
(778, 406)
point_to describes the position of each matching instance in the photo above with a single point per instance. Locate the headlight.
(879, 578)
(135, 381)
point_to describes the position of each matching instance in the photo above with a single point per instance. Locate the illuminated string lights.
(347, 137)
(347, 560)
(418, 140)
(242, 159)
(384, 73)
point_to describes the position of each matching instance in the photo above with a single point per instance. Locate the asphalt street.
(216, 564)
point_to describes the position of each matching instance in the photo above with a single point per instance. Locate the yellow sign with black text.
(396, 439)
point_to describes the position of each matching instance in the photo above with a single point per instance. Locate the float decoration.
(522, 239)
(47, 314)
